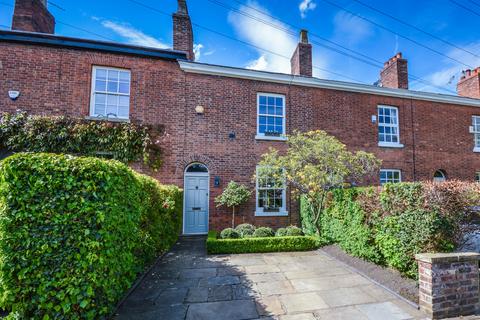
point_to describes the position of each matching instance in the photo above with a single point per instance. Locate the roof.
(232, 72)
(33, 38)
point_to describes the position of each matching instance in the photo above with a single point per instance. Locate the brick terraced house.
(219, 120)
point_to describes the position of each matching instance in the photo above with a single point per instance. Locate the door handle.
(196, 208)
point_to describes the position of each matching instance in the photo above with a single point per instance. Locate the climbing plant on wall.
(126, 142)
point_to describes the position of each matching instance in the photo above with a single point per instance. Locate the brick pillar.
(395, 73)
(182, 30)
(469, 84)
(449, 284)
(301, 62)
(32, 16)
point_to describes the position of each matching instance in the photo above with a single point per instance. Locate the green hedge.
(75, 233)
(390, 225)
(256, 245)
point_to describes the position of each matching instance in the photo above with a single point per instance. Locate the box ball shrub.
(281, 232)
(229, 233)
(76, 232)
(245, 229)
(293, 231)
(263, 232)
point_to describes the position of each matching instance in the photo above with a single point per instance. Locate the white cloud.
(449, 73)
(306, 5)
(197, 50)
(351, 28)
(134, 36)
(269, 35)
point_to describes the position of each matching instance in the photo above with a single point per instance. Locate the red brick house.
(220, 120)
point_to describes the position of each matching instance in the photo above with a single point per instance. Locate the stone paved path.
(188, 284)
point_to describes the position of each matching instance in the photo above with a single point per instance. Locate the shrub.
(281, 232)
(75, 232)
(125, 142)
(263, 232)
(255, 245)
(229, 233)
(390, 225)
(245, 229)
(293, 231)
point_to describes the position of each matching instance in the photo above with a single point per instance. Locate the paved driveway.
(188, 284)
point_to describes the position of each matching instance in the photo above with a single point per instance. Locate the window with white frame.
(271, 115)
(271, 192)
(390, 176)
(476, 132)
(388, 130)
(110, 93)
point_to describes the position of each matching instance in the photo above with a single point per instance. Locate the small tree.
(234, 195)
(316, 163)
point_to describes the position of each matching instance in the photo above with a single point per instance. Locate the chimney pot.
(304, 36)
(395, 73)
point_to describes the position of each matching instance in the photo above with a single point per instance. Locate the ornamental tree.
(233, 196)
(316, 163)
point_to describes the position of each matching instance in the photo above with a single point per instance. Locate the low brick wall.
(449, 284)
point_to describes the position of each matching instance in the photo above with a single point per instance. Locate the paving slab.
(302, 302)
(189, 284)
(231, 310)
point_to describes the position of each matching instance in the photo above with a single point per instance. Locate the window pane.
(262, 120)
(262, 109)
(101, 74)
(123, 111)
(100, 98)
(125, 76)
(124, 87)
(262, 129)
(112, 87)
(99, 110)
(100, 85)
(270, 110)
(271, 101)
(112, 75)
(263, 100)
(279, 102)
(123, 101)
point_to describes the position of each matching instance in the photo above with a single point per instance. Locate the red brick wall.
(57, 81)
(395, 73)
(470, 86)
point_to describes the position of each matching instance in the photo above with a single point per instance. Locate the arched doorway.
(440, 176)
(195, 203)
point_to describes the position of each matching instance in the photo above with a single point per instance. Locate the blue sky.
(126, 21)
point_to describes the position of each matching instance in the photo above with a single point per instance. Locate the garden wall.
(389, 225)
(76, 232)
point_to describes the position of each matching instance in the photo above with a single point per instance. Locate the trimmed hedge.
(257, 245)
(390, 225)
(75, 233)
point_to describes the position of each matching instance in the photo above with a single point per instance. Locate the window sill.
(271, 214)
(107, 119)
(476, 150)
(390, 145)
(271, 138)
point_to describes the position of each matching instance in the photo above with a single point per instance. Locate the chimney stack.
(182, 30)
(469, 84)
(395, 73)
(33, 16)
(301, 61)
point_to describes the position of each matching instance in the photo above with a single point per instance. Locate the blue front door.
(196, 204)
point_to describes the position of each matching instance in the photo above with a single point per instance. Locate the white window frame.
(397, 126)
(262, 136)
(391, 171)
(259, 211)
(476, 133)
(94, 92)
